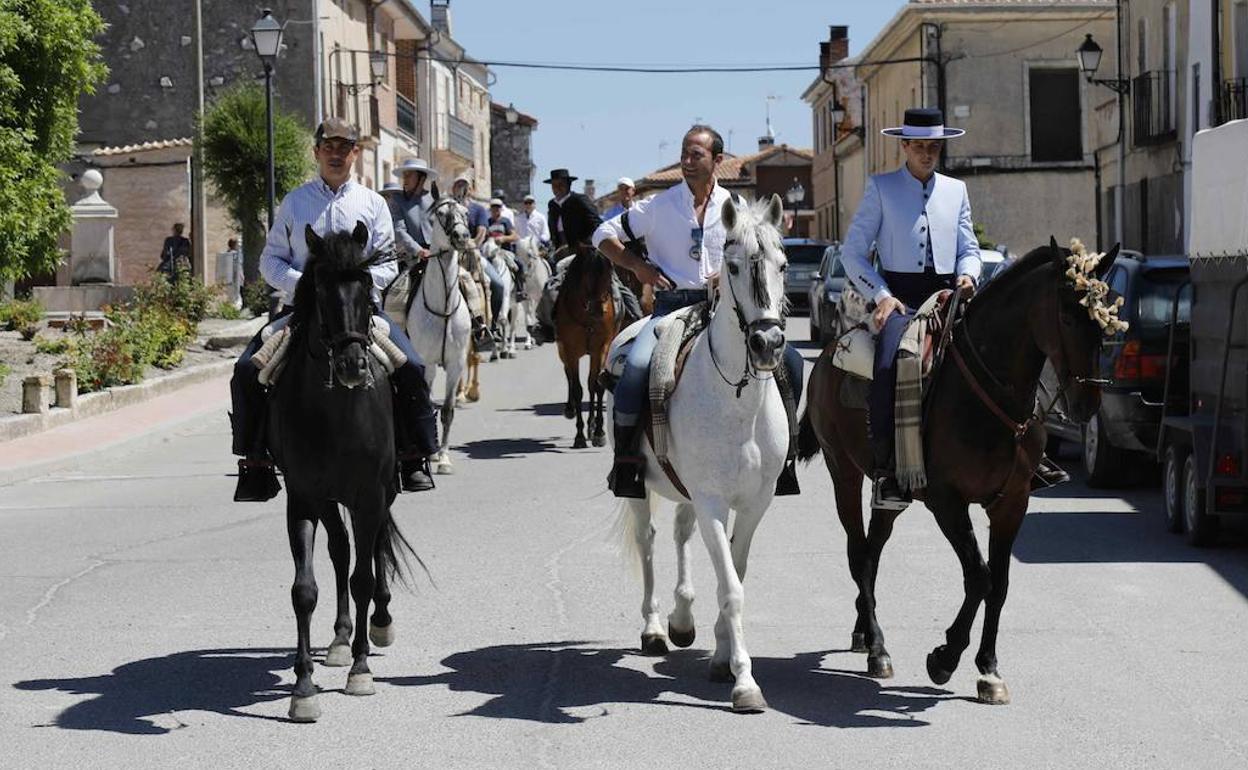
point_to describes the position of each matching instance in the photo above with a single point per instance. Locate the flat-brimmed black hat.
(923, 123)
(560, 173)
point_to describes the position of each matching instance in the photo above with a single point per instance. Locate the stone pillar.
(66, 388)
(35, 394)
(91, 257)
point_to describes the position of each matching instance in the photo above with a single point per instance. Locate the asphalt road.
(147, 622)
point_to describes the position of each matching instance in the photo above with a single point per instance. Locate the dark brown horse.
(585, 324)
(981, 445)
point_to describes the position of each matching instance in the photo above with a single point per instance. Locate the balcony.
(1234, 100)
(405, 116)
(460, 138)
(1152, 97)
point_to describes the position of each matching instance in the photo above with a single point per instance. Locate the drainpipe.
(1121, 193)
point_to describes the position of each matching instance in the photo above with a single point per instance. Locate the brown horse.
(981, 444)
(585, 324)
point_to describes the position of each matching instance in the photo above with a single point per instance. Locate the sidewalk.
(214, 334)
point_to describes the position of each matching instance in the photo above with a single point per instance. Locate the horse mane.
(1011, 276)
(339, 256)
(585, 266)
(754, 233)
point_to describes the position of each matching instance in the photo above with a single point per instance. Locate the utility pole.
(199, 244)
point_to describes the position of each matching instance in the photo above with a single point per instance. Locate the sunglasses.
(695, 251)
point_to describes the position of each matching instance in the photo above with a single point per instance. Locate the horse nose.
(766, 341)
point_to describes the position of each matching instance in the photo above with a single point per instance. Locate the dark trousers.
(415, 421)
(912, 289)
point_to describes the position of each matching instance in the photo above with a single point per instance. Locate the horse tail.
(395, 552)
(627, 528)
(807, 441)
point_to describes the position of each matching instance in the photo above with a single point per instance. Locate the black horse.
(331, 431)
(981, 443)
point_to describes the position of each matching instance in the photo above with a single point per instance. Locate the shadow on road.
(572, 682)
(541, 410)
(505, 448)
(220, 681)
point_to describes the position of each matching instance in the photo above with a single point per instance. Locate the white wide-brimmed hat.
(418, 165)
(390, 187)
(923, 123)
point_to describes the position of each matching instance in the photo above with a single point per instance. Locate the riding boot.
(416, 429)
(628, 473)
(481, 335)
(886, 492)
(1048, 474)
(257, 481)
(786, 483)
(414, 474)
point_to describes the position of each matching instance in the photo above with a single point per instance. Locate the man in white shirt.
(532, 222)
(685, 243)
(331, 202)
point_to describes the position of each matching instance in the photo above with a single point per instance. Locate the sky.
(605, 125)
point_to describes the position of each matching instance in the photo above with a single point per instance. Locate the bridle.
(334, 344)
(444, 258)
(747, 328)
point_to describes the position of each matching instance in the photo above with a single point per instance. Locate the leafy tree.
(236, 160)
(48, 59)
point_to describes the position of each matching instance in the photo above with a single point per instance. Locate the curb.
(93, 404)
(237, 335)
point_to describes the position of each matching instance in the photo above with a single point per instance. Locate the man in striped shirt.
(330, 203)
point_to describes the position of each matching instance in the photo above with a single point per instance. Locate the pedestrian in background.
(627, 193)
(175, 255)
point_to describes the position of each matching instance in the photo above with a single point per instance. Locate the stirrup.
(890, 499)
(257, 482)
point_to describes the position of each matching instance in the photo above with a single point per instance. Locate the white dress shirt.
(313, 203)
(668, 224)
(533, 224)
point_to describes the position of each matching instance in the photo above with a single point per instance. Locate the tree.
(236, 160)
(48, 59)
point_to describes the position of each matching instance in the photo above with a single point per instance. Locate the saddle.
(270, 359)
(854, 349)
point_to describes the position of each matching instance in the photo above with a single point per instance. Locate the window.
(1056, 121)
(1240, 20)
(1141, 46)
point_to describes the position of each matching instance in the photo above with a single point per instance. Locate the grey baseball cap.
(336, 128)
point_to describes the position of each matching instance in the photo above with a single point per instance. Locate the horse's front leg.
(680, 626)
(652, 641)
(339, 652)
(574, 408)
(442, 460)
(955, 523)
(381, 625)
(597, 430)
(879, 662)
(747, 697)
(301, 531)
(1006, 516)
(366, 521)
(847, 486)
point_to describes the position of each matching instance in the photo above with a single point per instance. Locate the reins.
(747, 372)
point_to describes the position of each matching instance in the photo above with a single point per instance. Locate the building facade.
(511, 151)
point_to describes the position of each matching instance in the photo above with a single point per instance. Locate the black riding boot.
(414, 475)
(886, 493)
(1048, 474)
(257, 479)
(481, 335)
(416, 429)
(628, 473)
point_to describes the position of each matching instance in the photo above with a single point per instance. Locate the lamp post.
(1089, 61)
(512, 115)
(795, 195)
(266, 37)
(837, 111)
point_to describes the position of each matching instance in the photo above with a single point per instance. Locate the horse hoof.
(748, 701)
(361, 684)
(992, 690)
(653, 644)
(937, 674)
(474, 394)
(304, 708)
(461, 400)
(580, 443)
(569, 412)
(880, 666)
(721, 672)
(599, 441)
(444, 469)
(681, 638)
(382, 636)
(858, 642)
(528, 346)
(338, 655)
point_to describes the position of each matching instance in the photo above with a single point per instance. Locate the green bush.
(18, 315)
(184, 298)
(106, 361)
(225, 309)
(53, 347)
(256, 298)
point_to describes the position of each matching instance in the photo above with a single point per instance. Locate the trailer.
(1204, 432)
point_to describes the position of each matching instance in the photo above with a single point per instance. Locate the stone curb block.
(109, 400)
(235, 336)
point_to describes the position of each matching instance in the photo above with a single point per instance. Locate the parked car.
(1124, 431)
(994, 262)
(804, 255)
(824, 295)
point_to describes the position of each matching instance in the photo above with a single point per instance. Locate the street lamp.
(378, 61)
(266, 37)
(512, 114)
(1089, 53)
(1090, 61)
(795, 195)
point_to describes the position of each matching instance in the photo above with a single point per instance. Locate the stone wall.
(511, 157)
(150, 92)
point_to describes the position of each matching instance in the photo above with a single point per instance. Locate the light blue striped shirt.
(313, 203)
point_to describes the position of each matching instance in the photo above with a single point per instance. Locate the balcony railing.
(1234, 100)
(460, 138)
(1153, 103)
(405, 116)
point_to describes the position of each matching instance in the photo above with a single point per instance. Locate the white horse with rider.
(536, 275)
(503, 262)
(438, 323)
(728, 438)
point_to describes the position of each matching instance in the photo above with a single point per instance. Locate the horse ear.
(313, 240)
(728, 214)
(775, 211)
(1058, 257)
(1107, 261)
(360, 233)
(433, 190)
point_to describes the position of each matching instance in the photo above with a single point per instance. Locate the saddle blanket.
(854, 350)
(270, 359)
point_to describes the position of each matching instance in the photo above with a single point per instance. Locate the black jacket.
(579, 216)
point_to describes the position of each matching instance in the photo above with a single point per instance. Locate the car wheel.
(1104, 462)
(1201, 527)
(1172, 489)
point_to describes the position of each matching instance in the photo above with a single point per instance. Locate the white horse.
(728, 438)
(501, 260)
(536, 274)
(438, 323)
